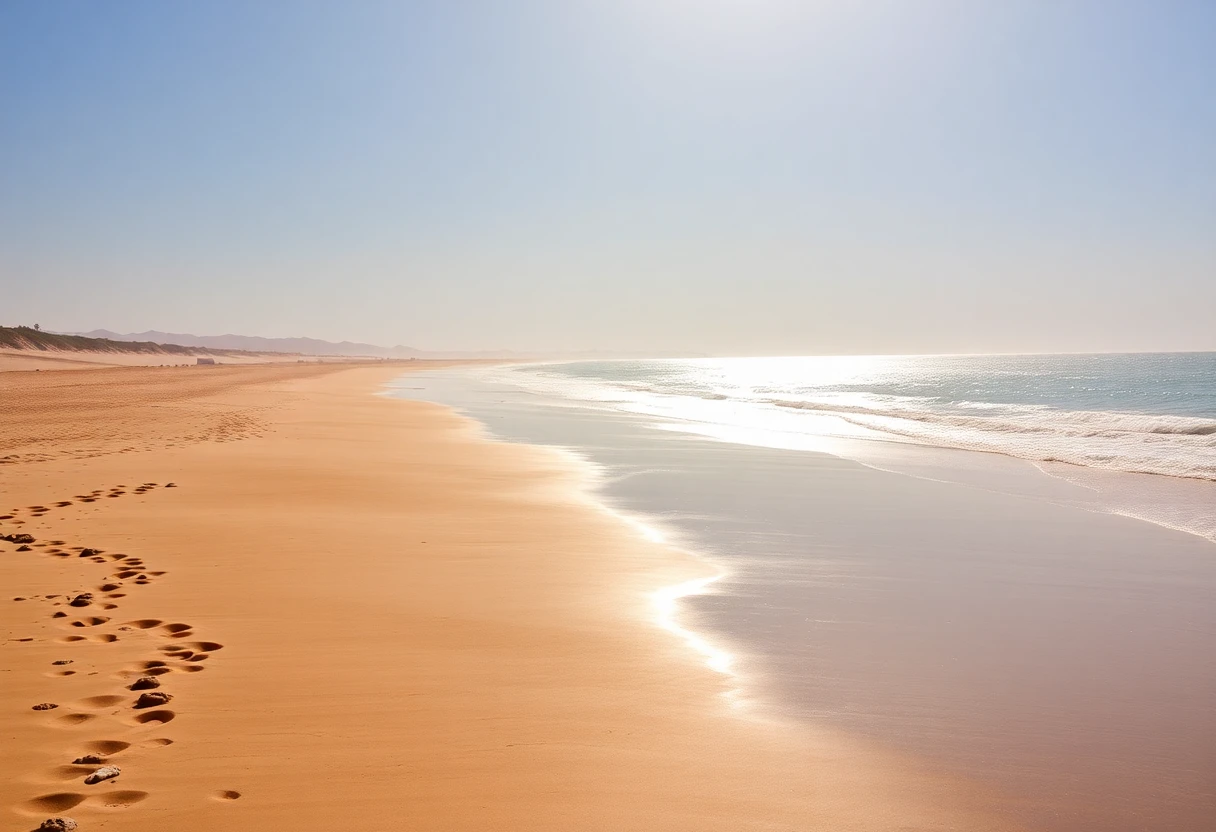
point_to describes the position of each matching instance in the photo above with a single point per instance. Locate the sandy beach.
(41, 361)
(366, 615)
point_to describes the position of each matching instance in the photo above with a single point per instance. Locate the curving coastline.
(419, 627)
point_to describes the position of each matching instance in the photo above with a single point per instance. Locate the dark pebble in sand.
(57, 825)
(45, 706)
(152, 700)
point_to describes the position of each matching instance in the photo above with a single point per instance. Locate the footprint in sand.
(159, 717)
(225, 795)
(101, 702)
(62, 801)
(107, 748)
(143, 623)
(118, 800)
(70, 772)
(92, 621)
(73, 720)
(50, 803)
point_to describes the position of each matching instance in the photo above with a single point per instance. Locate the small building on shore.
(206, 361)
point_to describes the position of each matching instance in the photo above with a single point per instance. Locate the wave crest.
(1177, 446)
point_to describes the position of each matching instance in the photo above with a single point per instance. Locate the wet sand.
(367, 616)
(977, 612)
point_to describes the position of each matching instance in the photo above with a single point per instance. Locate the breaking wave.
(1177, 446)
(1147, 413)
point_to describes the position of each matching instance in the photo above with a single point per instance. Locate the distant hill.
(348, 349)
(28, 338)
(255, 343)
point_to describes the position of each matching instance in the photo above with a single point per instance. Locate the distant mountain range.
(256, 343)
(314, 346)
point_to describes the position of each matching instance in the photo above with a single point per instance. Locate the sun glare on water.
(667, 606)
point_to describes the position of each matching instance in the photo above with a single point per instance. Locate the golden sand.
(368, 616)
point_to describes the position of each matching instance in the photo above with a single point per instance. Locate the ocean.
(1079, 417)
(1145, 413)
(1003, 565)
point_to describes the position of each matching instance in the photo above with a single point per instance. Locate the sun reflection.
(666, 601)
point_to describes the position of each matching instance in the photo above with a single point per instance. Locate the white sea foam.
(1014, 406)
(1120, 440)
(1176, 446)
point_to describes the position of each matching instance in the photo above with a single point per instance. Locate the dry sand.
(371, 618)
(16, 360)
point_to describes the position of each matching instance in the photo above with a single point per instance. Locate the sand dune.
(271, 599)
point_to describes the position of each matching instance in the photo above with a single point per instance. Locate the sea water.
(1080, 417)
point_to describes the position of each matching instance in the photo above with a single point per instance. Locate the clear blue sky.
(723, 176)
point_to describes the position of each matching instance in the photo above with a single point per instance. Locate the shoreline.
(1127, 451)
(414, 623)
(964, 620)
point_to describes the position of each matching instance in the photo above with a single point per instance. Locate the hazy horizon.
(720, 178)
(611, 354)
